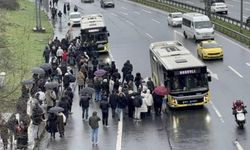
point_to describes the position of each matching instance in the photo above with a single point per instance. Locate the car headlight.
(198, 33)
(213, 32)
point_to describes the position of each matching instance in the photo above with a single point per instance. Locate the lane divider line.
(119, 133)
(248, 64)
(131, 23)
(237, 144)
(217, 112)
(136, 12)
(124, 8)
(149, 35)
(236, 72)
(156, 21)
(126, 14)
(113, 14)
(146, 11)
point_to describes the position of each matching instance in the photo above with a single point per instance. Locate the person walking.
(52, 125)
(70, 94)
(46, 54)
(64, 8)
(64, 103)
(149, 101)
(121, 104)
(4, 133)
(138, 80)
(84, 103)
(94, 124)
(113, 102)
(50, 98)
(137, 104)
(150, 85)
(60, 16)
(59, 54)
(97, 87)
(157, 103)
(104, 105)
(61, 119)
(80, 80)
(131, 106)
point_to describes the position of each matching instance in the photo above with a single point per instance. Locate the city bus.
(184, 75)
(94, 29)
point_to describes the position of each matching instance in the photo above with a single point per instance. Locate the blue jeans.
(119, 111)
(94, 135)
(98, 95)
(85, 111)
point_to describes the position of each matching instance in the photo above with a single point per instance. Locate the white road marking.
(189, 2)
(236, 72)
(136, 12)
(179, 33)
(126, 14)
(131, 23)
(248, 64)
(213, 75)
(230, 5)
(156, 21)
(113, 14)
(217, 112)
(146, 11)
(237, 144)
(231, 41)
(124, 8)
(119, 133)
(149, 35)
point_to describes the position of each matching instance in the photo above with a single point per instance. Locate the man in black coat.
(104, 105)
(46, 54)
(84, 103)
(64, 103)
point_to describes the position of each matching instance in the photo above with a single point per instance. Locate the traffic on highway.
(200, 66)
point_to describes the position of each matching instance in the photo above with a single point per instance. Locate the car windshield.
(192, 82)
(210, 45)
(203, 24)
(74, 16)
(177, 15)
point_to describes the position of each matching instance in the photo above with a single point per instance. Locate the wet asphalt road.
(132, 28)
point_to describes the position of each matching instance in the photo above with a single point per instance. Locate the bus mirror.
(209, 78)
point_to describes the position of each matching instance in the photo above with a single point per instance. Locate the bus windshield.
(203, 24)
(192, 82)
(100, 37)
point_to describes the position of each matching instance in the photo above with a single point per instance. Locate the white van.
(197, 26)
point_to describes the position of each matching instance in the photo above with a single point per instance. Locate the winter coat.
(158, 100)
(52, 123)
(80, 78)
(137, 101)
(84, 101)
(64, 103)
(97, 84)
(50, 97)
(105, 86)
(121, 101)
(93, 122)
(113, 100)
(104, 105)
(46, 52)
(143, 107)
(59, 52)
(129, 77)
(37, 113)
(149, 98)
(116, 76)
(150, 85)
(61, 119)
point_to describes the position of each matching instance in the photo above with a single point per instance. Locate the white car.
(219, 7)
(175, 19)
(75, 18)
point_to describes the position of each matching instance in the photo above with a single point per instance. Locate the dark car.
(248, 21)
(107, 3)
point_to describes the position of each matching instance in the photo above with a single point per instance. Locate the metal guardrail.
(170, 8)
(201, 10)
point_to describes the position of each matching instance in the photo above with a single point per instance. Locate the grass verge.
(23, 50)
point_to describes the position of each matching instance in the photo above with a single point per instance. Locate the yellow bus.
(184, 75)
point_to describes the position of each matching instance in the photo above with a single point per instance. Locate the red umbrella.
(161, 90)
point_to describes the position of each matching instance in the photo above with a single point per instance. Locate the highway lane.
(233, 7)
(128, 37)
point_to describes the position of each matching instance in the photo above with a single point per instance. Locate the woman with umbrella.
(158, 95)
(52, 124)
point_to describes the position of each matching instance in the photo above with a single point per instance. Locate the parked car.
(209, 49)
(107, 3)
(248, 21)
(175, 19)
(219, 7)
(75, 18)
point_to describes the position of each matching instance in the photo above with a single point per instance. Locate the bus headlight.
(174, 101)
(206, 98)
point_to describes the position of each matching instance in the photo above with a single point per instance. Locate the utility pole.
(241, 15)
(38, 27)
(208, 8)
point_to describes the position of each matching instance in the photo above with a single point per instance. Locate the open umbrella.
(27, 82)
(55, 109)
(161, 90)
(38, 70)
(51, 85)
(46, 66)
(87, 90)
(100, 72)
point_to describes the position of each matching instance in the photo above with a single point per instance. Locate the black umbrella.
(46, 66)
(55, 109)
(87, 90)
(51, 85)
(38, 70)
(27, 82)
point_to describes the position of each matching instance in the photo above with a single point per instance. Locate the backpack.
(138, 101)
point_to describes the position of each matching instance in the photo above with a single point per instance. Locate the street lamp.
(241, 15)
(38, 27)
